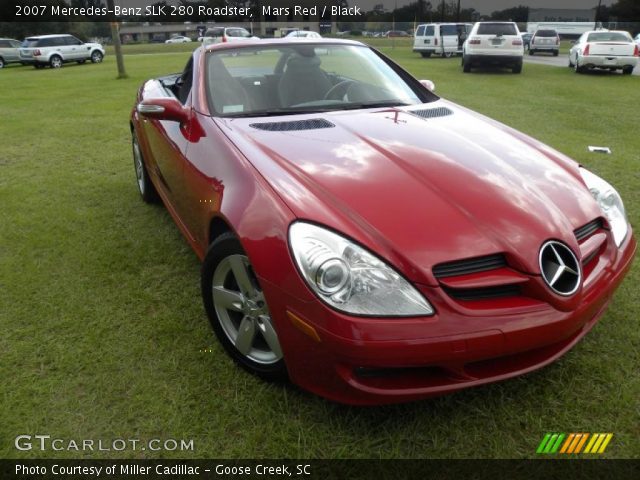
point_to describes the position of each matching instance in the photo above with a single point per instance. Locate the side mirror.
(428, 84)
(163, 109)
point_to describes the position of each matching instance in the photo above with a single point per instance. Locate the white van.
(445, 39)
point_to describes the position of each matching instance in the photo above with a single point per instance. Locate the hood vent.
(588, 229)
(432, 112)
(310, 124)
(471, 265)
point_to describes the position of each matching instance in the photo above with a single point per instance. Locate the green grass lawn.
(103, 326)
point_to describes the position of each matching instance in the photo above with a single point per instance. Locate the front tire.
(55, 61)
(555, 53)
(145, 186)
(517, 68)
(96, 57)
(2, 62)
(237, 310)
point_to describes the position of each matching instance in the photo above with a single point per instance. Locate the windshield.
(290, 79)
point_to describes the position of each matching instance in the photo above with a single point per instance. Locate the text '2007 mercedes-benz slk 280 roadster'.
(365, 238)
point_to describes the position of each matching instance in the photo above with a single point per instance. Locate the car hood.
(421, 190)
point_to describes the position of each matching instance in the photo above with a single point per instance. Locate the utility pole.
(115, 36)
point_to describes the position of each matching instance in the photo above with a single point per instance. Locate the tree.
(625, 11)
(518, 14)
(115, 36)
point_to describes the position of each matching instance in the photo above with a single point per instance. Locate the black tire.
(627, 70)
(55, 61)
(96, 56)
(146, 188)
(80, 62)
(2, 64)
(531, 52)
(466, 65)
(425, 54)
(447, 54)
(555, 53)
(224, 248)
(517, 68)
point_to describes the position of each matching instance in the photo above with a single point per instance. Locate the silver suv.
(54, 50)
(9, 51)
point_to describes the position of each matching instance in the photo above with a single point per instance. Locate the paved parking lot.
(559, 61)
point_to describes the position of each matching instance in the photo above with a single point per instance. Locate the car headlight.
(351, 279)
(610, 203)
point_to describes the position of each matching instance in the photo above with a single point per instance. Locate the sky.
(482, 6)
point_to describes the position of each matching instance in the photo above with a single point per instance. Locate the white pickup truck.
(610, 50)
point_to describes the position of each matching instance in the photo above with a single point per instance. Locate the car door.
(15, 50)
(168, 145)
(75, 49)
(8, 51)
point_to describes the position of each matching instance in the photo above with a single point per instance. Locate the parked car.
(178, 39)
(303, 34)
(54, 50)
(444, 39)
(226, 34)
(526, 39)
(396, 33)
(545, 40)
(9, 51)
(271, 158)
(609, 50)
(493, 43)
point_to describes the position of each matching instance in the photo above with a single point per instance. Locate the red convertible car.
(364, 238)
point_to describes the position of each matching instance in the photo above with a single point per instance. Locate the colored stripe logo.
(574, 443)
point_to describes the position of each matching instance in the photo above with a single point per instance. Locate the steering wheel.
(339, 90)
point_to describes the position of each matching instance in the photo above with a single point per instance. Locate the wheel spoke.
(270, 335)
(241, 273)
(227, 299)
(246, 335)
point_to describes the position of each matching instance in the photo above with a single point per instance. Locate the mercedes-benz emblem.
(560, 268)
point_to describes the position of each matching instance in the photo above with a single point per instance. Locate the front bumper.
(368, 361)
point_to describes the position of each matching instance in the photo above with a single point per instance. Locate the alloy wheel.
(242, 311)
(139, 167)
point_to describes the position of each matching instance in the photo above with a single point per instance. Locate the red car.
(363, 237)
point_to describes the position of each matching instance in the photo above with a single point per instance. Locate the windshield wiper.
(386, 103)
(272, 113)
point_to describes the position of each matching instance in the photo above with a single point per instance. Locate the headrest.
(297, 62)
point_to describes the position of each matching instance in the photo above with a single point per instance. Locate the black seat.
(303, 81)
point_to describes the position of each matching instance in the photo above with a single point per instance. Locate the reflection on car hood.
(420, 191)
